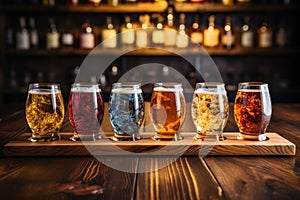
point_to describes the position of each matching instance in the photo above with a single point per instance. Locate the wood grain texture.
(63, 178)
(276, 145)
(262, 178)
(185, 178)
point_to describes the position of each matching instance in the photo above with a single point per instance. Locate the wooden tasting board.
(275, 145)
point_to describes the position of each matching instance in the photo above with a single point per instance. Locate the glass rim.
(50, 84)
(254, 83)
(76, 84)
(168, 84)
(127, 83)
(211, 83)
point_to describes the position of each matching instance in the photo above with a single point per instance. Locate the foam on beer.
(126, 90)
(211, 91)
(44, 91)
(252, 90)
(86, 89)
(164, 89)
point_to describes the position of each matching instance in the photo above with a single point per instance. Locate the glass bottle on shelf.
(95, 2)
(228, 35)
(34, 36)
(197, 1)
(109, 34)
(73, 2)
(195, 31)
(246, 34)
(67, 36)
(142, 36)
(48, 2)
(182, 39)
(211, 34)
(22, 35)
(52, 36)
(87, 37)
(227, 2)
(128, 32)
(264, 36)
(281, 36)
(158, 36)
(243, 1)
(170, 29)
(10, 38)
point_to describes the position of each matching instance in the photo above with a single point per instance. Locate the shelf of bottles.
(223, 34)
(222, 28)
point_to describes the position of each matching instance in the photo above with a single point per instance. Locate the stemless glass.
(126, 110)
(252, 110)
(86, 111)
(44, 111)
(167, 110)
(210, 110)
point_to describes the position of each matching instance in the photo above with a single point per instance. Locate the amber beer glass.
(252, 110)
(86, 111)
(210, 110)
(44, 111)
(167, 110)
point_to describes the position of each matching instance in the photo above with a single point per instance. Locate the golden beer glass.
(210, 110)
(44, 111)
(252, 110)
(167, 110)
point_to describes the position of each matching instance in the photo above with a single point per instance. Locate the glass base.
(253, 137)
(210, 137)
(170, 137)
(126, 137)
(44, 139)
(77, 137)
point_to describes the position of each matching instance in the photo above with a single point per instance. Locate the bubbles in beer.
(86, 111)
(44, 111)
(210, 112)
(126, 111)
(252, 111)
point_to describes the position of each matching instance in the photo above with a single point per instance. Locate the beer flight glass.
(44, 111)
(210, 110)
(167, 110)
(252, 110)
(86, 111)
(126, 110)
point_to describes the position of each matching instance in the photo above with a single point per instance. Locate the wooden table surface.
(187, 177)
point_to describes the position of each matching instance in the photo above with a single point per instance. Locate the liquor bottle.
(195, 31)
(48, 2)
(158, 36)
(87, 37)
(227, 2)
(142, 32)
(22, 35)
(182, 39)
(211, 34)
(197, 1)
(243, 1)
(127, 32)
(34, 36)
(95, 2)
(281, 36)
(170, 29)
(67, 36)
(10, 38)
(247, 34)
(52, 37)
(109, 34)
(228, 35)
(73, 2)
(264, 36)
